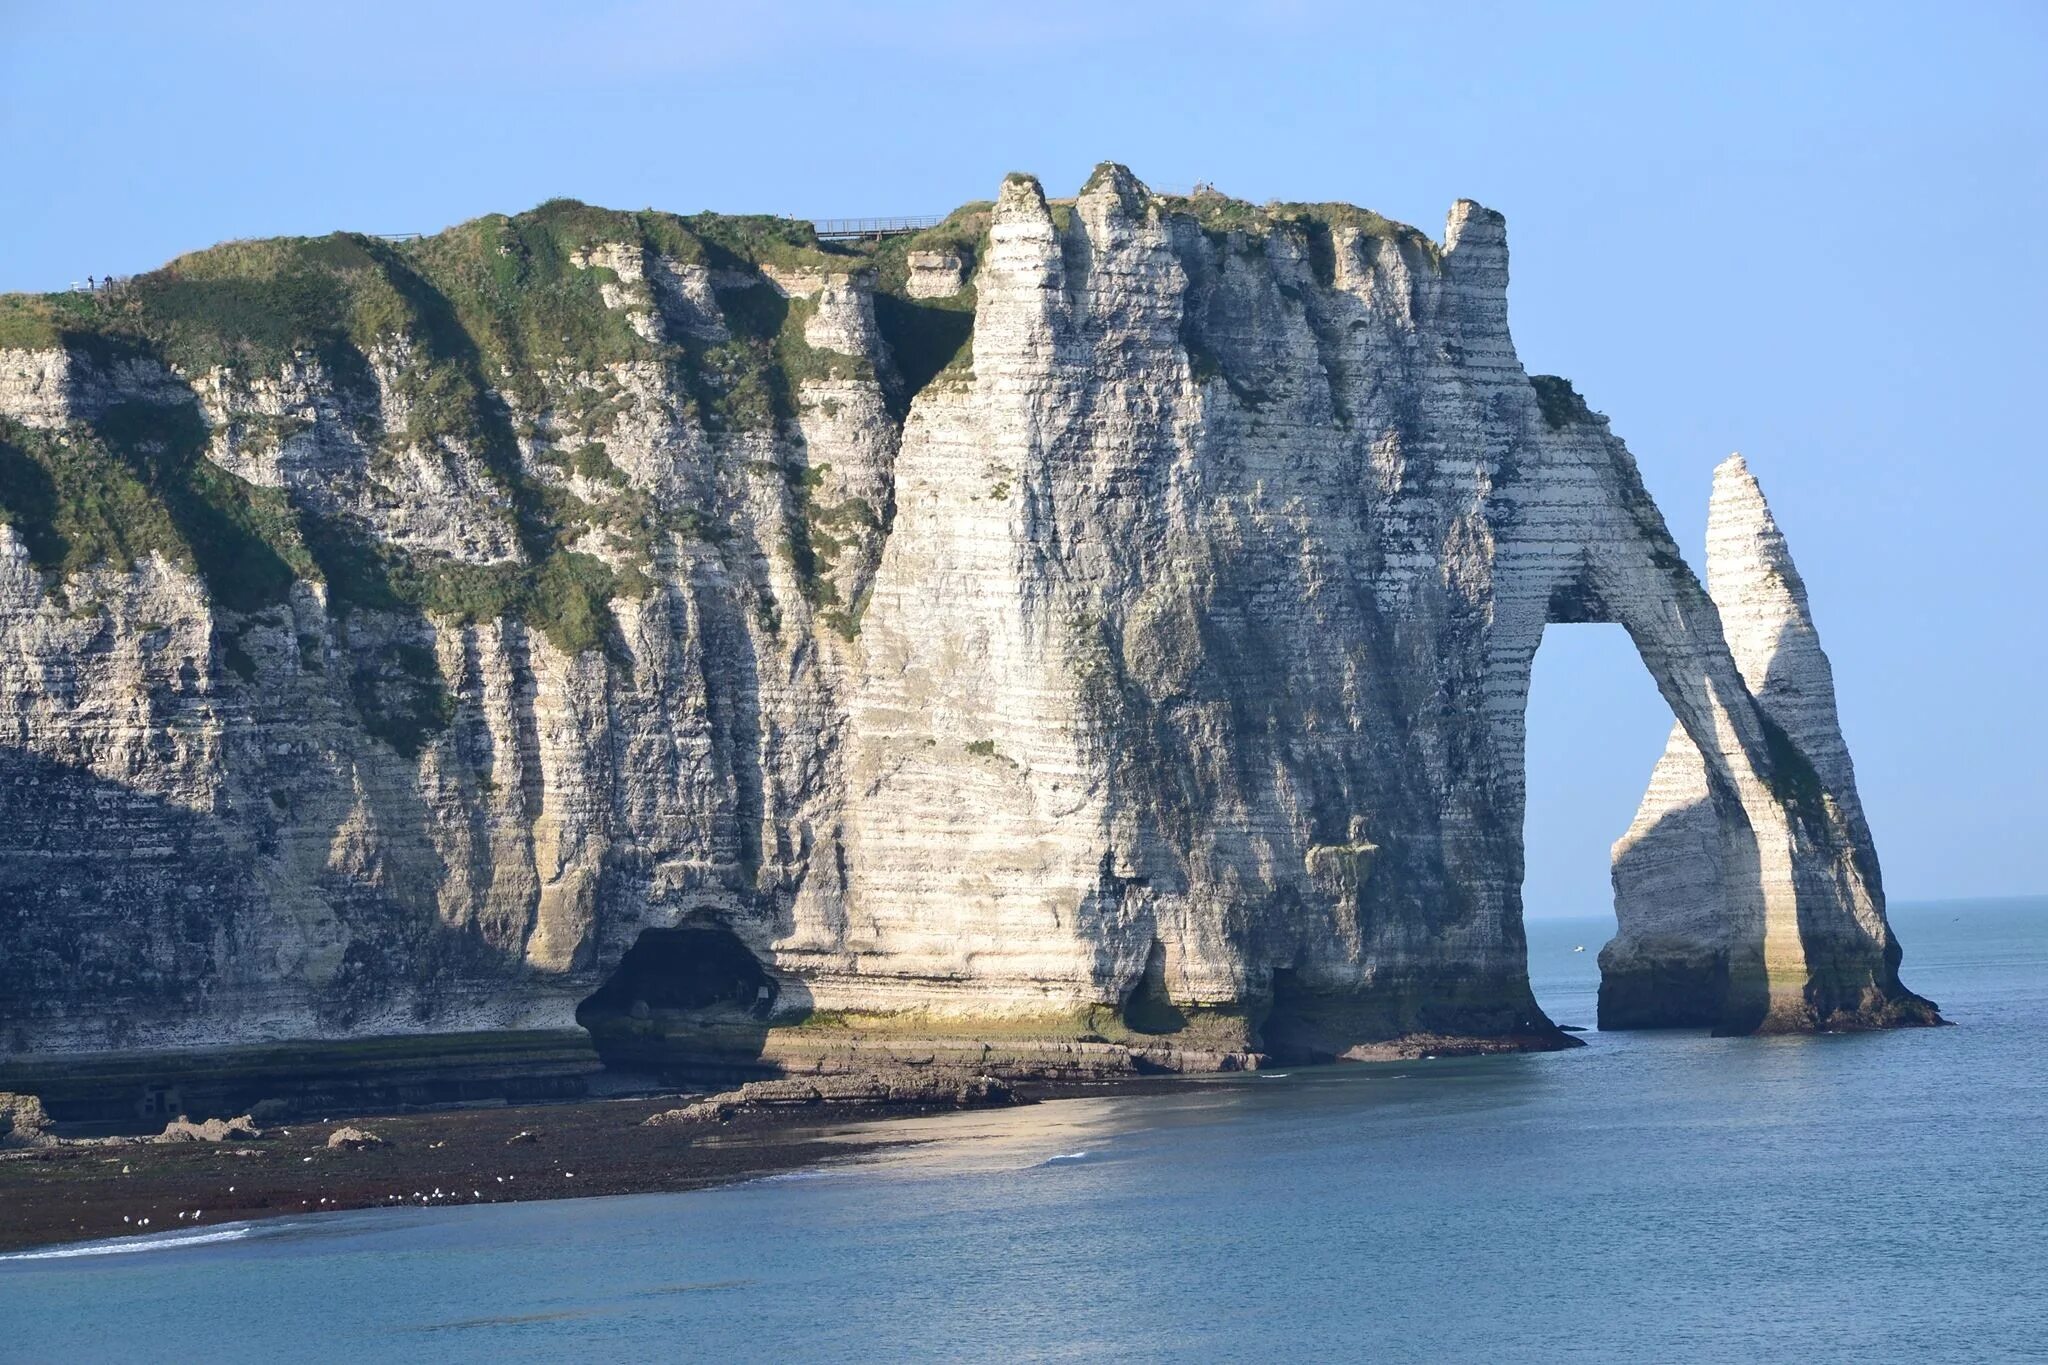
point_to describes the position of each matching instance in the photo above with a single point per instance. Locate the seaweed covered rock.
(894, 1087)
(23, 1123)
(182, 1129)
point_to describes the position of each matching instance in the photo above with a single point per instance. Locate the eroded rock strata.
(1697, 945)
(1089, 634)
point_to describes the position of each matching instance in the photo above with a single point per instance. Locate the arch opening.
(1595, 725)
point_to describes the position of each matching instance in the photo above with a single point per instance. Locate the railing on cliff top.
(844, 229)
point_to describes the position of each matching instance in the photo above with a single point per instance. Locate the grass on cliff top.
(40, 322)
(931, 339)
(1318, 225)
(963, 232)
(481, 309)
(481, 313)
(504, 289)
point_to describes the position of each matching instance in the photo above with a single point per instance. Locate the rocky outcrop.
(743, 646)
(23, 1122)
(183, 1129)
(895, 1088)
(1697, 946)
(935, 274)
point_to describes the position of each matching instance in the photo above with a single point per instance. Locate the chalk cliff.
(1697, 946)
(1096, 630)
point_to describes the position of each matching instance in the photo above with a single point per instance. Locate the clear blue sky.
(1810, 232)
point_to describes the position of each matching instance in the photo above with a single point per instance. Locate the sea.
(1656, 1197)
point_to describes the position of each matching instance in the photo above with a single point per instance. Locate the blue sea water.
(1647, 1197)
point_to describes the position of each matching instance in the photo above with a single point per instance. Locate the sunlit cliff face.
(1096, 629)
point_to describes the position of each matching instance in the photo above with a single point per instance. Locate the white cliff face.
(1686, 944)
(935, 274)
(1148, 682)
(1769, 626)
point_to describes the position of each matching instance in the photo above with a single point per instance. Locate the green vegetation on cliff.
(135, 483)
(471, 320)
(931, 339)
(1318, 227)
(1559, 401)
(495, 341)
(485, 344)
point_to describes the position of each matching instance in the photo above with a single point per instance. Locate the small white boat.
(1580, 949)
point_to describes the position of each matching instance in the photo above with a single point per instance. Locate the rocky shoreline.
(56, 1190)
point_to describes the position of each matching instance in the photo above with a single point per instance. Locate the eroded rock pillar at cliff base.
(1690, 876)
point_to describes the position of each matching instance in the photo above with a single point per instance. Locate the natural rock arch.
(1747, 893)
(1491, 505)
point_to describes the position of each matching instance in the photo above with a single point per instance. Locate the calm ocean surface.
(1646, 1197)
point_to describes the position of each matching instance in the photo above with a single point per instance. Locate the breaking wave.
(126, 1245)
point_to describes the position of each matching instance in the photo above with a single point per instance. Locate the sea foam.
(126, 1245)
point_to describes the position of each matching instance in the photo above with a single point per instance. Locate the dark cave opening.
(1147, 1007)
(1291, 1032)
(693, 968)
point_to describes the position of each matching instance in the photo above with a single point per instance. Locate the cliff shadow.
(1682, 977)
(127, 919)
(119, 910)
